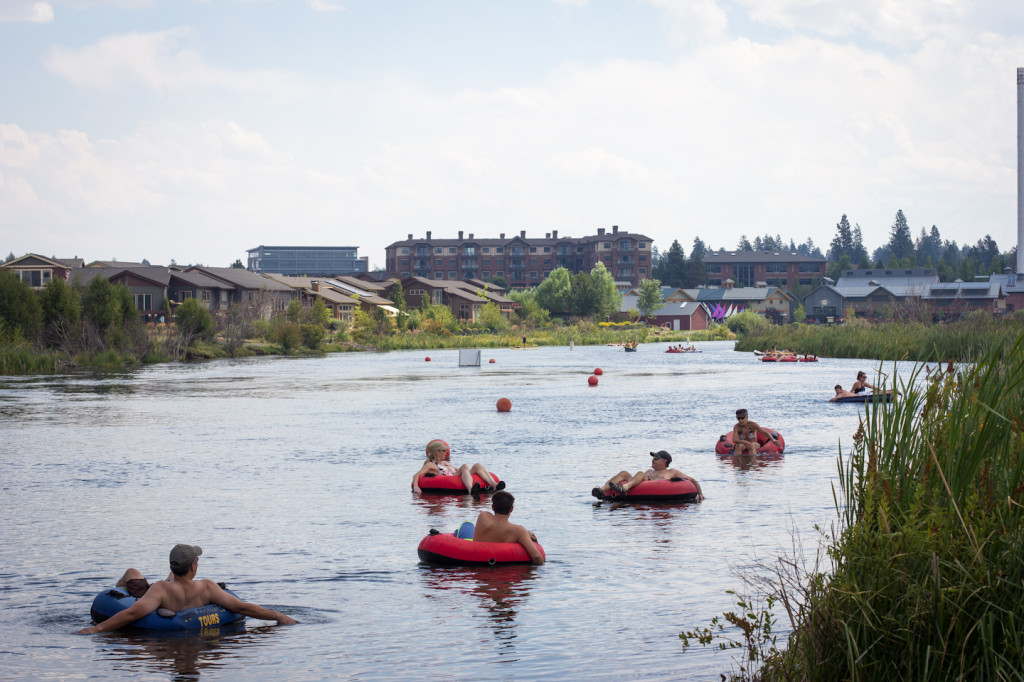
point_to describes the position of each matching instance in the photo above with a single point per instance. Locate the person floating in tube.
(438, 464)
(621, 482)
(744, 435)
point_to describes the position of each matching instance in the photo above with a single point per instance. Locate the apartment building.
(522, 261)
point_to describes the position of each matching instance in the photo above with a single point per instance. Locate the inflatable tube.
(450, 484)
(866, 398)
(725, 446)
(813, 358)
(658, 491)
(111, 602)
(447, 550)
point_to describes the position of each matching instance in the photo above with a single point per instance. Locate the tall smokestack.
(1020, 171)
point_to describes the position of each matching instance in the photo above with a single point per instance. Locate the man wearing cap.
(659, 471)
(744, 434)
(179, 592)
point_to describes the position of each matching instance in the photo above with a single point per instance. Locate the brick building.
(784, 269)
(523, 262)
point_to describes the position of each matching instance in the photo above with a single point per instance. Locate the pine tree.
(901, 244)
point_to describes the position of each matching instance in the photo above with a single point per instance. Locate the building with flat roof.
(761, 268)
(522, 261)
(308, 261)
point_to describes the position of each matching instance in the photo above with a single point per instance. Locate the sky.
(193, 130)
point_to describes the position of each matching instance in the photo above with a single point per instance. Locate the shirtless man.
(659, 471)
(438, 463)
(497, 528)
(179, 592)
(841, 393)
(744, 435)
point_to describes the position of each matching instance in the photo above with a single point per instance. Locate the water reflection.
(182, 655)
(448, 505)
(501, 590)
(746, 462)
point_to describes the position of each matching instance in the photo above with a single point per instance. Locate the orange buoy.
(428, 359)
(592, 380)
(492, 361)
(504, 405)
(598, 371)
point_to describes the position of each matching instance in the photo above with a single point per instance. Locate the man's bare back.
(497, 528)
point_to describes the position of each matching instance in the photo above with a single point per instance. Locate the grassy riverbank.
(21, 357)
(924, 577)
(964, 341)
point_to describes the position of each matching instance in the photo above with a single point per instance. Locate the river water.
(293, 475)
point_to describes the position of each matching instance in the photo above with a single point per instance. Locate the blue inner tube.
(110, 602)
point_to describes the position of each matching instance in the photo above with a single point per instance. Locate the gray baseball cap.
(183, 556)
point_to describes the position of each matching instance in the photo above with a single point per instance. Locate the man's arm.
(149, 603)
(526, 539)
(232, 603)
(677, 474)
(769, 434)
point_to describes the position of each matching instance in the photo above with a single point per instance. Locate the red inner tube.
(725, 446)
(658, 491)
(446, 549)
(450, 484)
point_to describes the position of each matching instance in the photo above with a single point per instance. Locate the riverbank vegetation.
(965, 340)
(62, 327)
(924, 578)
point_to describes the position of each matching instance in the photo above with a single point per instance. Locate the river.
(293, 475)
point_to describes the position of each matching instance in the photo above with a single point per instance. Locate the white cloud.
(325, 6)
(164, 61)
(26, 11)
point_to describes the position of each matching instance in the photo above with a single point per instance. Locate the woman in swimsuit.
(861, 384)
(438, 464)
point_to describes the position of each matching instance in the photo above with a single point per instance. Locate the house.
(463, 298)
(244, 287)
(678, 312)
(340, 302)
(869, 293)
(775, 303)
(38, 271)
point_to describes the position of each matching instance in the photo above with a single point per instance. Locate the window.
(439, 263)
(547, 261)
(713, 267)
(500, 261)
(405, 261)
(775, 267)
(452, 274)
(805, 280)
(438, 249)
(182, 295)
(500, 249)
(143, 301)
(810, 267)
(469, 250)
(486, 274)
(533, 249)
(405, 249)
(438, 275)
(533, 274)
(643, 259)
(641, 245)
(486, 261)
(205, 294)
(415, 292)
(607, 245)
(533, 261)
(642, 271)
(547, 249)
(487, 249)
(452, 262)
(499, 273)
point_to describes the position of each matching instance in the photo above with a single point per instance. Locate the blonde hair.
(436, 446)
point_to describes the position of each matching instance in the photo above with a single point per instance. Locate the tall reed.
(927, 575)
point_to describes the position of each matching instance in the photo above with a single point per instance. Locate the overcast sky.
(194, 130)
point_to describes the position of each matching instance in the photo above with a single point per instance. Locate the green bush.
(193, 321)
(312, 335)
